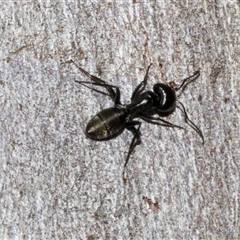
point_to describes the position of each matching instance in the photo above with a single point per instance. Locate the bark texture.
(57, 184)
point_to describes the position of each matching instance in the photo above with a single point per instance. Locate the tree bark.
(56, 183)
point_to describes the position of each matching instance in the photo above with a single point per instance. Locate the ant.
(111, 122)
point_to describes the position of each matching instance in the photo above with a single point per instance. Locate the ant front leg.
(115, 95)
(136, 137)
(154, 120)
(140, 88)
(190, 123)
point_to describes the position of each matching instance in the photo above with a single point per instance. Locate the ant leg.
(188, 80)
(140, 88)
(97, 80)
(153, 120)
(190, 123)
(136, 137)
(116, 98)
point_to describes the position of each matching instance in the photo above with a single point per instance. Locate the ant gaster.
(111, 122)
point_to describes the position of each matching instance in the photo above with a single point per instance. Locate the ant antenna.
(188, 80)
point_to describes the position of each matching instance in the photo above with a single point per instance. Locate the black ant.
(111, 122)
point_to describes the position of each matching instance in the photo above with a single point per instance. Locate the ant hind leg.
(115, 95)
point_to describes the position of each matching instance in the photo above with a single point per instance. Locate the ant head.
(166, 98)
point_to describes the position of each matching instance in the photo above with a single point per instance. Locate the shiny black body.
(106, 124)
(111, 122)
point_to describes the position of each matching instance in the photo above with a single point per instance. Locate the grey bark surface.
(57, 184)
